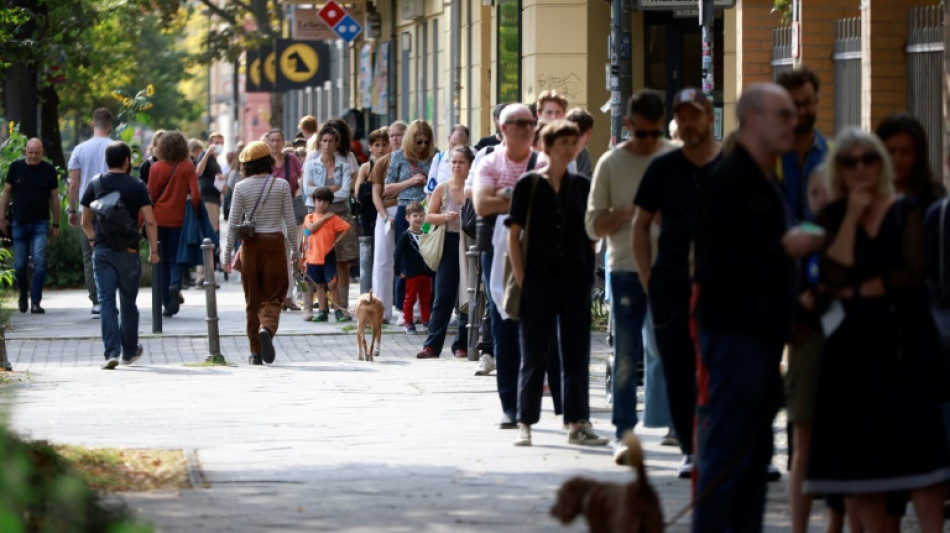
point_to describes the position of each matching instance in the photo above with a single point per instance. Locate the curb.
(196, 476)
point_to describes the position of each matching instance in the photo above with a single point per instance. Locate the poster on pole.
(366, 76)
(380, 99)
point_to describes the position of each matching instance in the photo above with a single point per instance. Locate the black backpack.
(118, 226)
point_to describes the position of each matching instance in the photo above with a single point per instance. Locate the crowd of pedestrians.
(719, 259)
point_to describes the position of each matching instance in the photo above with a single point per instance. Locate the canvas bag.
(431, 244)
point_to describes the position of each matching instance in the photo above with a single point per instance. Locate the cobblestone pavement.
(319, 441)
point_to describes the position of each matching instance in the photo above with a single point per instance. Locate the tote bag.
(432, 243)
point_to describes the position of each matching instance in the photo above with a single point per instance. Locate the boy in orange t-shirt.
(322, 231)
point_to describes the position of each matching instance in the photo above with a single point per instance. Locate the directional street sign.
(342, 23)
(261, 70)
(301, 64)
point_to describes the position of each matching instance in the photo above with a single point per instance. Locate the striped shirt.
(275, 212)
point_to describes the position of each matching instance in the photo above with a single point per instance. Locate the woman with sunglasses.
(877, 381)
(406, 178)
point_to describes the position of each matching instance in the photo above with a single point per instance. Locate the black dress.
(878, 425)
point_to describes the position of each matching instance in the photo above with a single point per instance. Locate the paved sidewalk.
(318, 442)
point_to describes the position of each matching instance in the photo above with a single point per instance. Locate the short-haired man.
(119, 269)
(609, 216)
(495, 138)
(585, 124)
(810, 148)
(746, 278)
(551, 105)
(494, 182)
(670, 188)
(34, 188)
(384, 240)
(87, 160)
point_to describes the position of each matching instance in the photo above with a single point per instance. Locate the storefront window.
(509, 50)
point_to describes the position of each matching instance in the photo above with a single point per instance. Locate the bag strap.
(97, 185)
(532, 162)
(261, 195)
(527, 224)
(169, 180)
(942, 243)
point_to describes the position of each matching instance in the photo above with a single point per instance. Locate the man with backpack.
(112, 204)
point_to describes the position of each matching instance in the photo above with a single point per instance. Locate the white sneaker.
(685, 469)
(485, 365)
(620, 453)
(524, 435)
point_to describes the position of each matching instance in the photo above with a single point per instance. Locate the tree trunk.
(20, 97)
(277, 114)
(52, 137)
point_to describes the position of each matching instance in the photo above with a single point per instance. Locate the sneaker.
(322, 316)
(507, 422)
(342, 316)
(620, 453)
(773, 473)
(307, 317)
(111, 363)
(173, 303)
(23, 303)
(425, 326)
(584, 436)
(95, 309)
(35, 309)
(255, 359)
(426, 353)
(135, 357)
(670, 439)
(486, 364)
(685, 469)
(524, 435)
(267, 345)
(411, 329)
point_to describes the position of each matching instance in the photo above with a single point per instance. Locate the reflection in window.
(509, 50)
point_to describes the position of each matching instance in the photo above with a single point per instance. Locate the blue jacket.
(196, 227)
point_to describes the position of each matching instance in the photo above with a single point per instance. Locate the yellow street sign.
(298, 62)
(270, 68)
(255, 71)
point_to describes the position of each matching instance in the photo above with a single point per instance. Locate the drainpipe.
(393, 39)
(455, 68)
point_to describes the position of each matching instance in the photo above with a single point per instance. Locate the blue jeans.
(29, 238)
(446, 293)
(122, 271)
(507, 346)
(740, 390)
(168, 249)
(656, 399)
(628, 309)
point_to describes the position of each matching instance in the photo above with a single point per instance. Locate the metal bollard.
(474, 310)
(157, 294)
(211, 302)
(366, 263)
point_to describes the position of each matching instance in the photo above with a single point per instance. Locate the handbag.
(511, 302)
(246, 230)
(431, 244)
(468, 218)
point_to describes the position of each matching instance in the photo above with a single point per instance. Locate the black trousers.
(555, 311)
(669, 302)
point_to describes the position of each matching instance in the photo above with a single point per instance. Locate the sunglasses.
(423, 143)
(849, 162)
(522, 122)
(643, 134)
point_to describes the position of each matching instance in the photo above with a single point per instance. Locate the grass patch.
(7, 378)
(117, 470)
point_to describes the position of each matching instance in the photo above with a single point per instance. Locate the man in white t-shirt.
(609, 215)
(86, 161)
(494, 180)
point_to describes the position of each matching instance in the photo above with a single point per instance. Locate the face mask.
(217, 149)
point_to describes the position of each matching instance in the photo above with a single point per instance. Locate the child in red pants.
(417, 274)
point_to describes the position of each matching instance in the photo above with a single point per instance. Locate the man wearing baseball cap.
(670, 187)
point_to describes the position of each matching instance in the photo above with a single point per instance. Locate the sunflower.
(150, 90)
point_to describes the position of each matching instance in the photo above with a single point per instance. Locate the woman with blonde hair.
(879, 370)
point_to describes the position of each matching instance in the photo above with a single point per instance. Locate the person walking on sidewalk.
(670, 188)
(556, 272)
(87, 160)
(116, 261)
(264, 201)
(609, 215)
(34, 189)
(747, 291)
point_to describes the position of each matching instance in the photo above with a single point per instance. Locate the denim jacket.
(315, 175)
(401, 169)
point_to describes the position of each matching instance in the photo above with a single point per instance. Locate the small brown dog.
(610, 507)
(369, 312)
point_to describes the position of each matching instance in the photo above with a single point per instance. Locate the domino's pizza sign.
(342, 23)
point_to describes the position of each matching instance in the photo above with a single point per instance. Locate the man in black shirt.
(32, 184)
(120, 269)
(670, 189)
(492, 140)
(746, 278)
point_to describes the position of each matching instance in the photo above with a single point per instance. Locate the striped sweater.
(275, 212)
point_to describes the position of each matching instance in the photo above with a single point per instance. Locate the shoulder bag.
(246, 230)
(431, 244)
(512, 299)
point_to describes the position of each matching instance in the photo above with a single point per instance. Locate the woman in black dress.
(878, 370)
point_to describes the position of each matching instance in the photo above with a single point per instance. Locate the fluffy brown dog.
(610, 507)
(369, 312)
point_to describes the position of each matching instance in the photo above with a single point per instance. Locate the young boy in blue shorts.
(322, 231)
